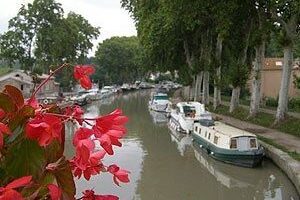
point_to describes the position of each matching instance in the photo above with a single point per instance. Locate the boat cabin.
(224, 136)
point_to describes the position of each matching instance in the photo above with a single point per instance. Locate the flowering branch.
(47, 79)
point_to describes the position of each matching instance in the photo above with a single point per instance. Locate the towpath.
(290, 142)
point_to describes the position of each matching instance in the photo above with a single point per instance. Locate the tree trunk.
(217, 90)
(256, 79)
(235, 96)
(199, 78)
(285, 83)
(205, 95)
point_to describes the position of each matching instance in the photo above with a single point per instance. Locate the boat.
(185, 114)
(159, 102)
(227, 143)
(107, 91)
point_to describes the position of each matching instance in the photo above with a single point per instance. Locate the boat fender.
(201, 146)
(212, 153)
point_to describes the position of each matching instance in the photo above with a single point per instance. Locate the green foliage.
(22, 156)
(289, 126)
(119, 60)
(40, 36)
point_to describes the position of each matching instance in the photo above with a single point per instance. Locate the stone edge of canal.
(287, 164)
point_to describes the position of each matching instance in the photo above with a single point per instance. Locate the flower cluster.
(46, 126)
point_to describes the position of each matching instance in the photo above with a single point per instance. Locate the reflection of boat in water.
(158, 117)
(212, 166)
(183, 141)
(267, 186)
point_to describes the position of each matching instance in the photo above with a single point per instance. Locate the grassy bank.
(290, 126)
(294, 155)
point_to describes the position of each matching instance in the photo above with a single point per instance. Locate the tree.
(287, 14)
(260, 33)
(40, 35)
(118, 59)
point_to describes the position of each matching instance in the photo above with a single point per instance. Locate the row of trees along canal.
(41, 36)
(219, 42)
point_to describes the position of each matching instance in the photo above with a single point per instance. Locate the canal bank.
(283, 160)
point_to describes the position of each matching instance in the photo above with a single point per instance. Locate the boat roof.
(189, 103)
(160, 94)
(230, 130)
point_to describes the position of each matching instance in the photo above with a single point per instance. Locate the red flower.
(109, 129)
(54, 191)
(86, 163)
(90, 195)
(82, 73)
(44, 129)
(8, 192)
(2, 113)
(32, 102)
(119, 174)
(82, 136)
(113, 121)
(3, 129)
(76, 112)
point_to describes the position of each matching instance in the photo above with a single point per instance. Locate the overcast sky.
(107, 14)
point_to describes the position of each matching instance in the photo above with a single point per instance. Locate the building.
(50, 89)
(271, 78)
(20, 80)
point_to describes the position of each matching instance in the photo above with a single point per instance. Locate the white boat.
(159, 102)
(107, 91)
(227, 143)
(186, 114)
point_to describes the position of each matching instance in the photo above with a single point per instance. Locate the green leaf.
(15, 94)
(25, 158)
(64, 179)
(6, 103)
(21, 117)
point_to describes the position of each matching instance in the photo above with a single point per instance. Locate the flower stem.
(47, 79)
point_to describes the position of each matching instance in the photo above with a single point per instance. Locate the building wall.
(271, 80)
(24, 87)
(49, 89)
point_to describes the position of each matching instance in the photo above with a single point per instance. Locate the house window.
(216, 139)
(209, 136)
(22, 87)
(233, 144)
(253, 143)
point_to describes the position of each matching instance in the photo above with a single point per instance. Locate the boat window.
(196, 128)
(216, 139)
(209, 136)
(205, 133)
(253, 143)
(200, 130)
(162, 97)
(189, 111)
(233, 144)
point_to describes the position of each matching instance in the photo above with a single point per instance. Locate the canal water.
(166, 165)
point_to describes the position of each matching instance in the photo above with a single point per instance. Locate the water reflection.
(165, 164)
(158, 118)
(183, 141)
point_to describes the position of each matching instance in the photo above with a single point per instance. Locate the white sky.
(106, 14)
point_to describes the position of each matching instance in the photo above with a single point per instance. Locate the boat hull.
(251, 158)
